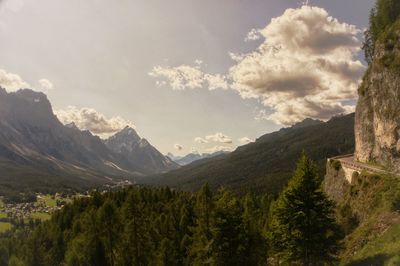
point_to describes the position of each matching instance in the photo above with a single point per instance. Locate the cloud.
(236, 57)
(219, 148)
(245, 140)
(306, 67)
(253, 35)
(198, 62)
(12, 82)
(185, 77)
(200, 140)
(45, 84)
(181, 77)
(219, 137)
(178, 147)
(89, 119)
(216, 82)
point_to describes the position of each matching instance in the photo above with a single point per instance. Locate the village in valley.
(39, 209)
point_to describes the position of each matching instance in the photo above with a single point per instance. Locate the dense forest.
(149, 226)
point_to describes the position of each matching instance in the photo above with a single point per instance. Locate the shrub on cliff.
(382, 16)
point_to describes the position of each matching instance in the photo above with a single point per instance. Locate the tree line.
(160, 226)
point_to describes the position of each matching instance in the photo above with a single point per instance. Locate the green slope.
(267, 164)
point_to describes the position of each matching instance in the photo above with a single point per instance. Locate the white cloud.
(178, 147)
(253, 35)
(216, 82)
(200, 140)
(219, 148)
(181, 77)
(236, 57)
(187, 77)
(245, 140)
(12, 82)
(219, 137)
(89, 119)
(306, 66)
(45, 84)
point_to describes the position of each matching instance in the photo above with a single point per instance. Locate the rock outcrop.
(377, 127)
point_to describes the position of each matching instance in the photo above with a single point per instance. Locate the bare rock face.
(377, 121)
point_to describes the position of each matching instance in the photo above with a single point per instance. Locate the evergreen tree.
(303, 228)
(108, 229)
(200, 250)
(253, 222)
(229, 244)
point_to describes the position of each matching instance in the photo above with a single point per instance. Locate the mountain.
(139, 153)
(377, 113)
(38, 152)
(307, 122)
(193, 157)
(268, 163)
(173, 157)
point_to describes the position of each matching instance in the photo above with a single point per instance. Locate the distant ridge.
(268, 163)
(193, 157)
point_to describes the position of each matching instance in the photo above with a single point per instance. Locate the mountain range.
(193, 157)
(38, 152)
(266, 164)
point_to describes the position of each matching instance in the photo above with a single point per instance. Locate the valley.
(166, 141)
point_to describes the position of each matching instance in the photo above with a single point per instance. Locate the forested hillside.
(267, 164)
(142, 226)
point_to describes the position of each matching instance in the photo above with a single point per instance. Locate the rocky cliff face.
(377, 127)
(139, 153)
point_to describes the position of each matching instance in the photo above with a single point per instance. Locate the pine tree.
(256, 246)
(229, 244)
(303, 228)
(108, 229)
(200, 251)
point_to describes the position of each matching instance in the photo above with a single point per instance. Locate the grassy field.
(49, 201)
(385, 250)
(5, 226)
(3, 215)
(40, 215)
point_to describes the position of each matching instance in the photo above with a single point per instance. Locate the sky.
(188, 75)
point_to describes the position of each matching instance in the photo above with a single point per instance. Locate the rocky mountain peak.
(307, 122)
(72, 125)
(27, 106)
(125, 140)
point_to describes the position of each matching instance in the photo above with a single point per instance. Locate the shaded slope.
(267, 164)
(37, 152)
